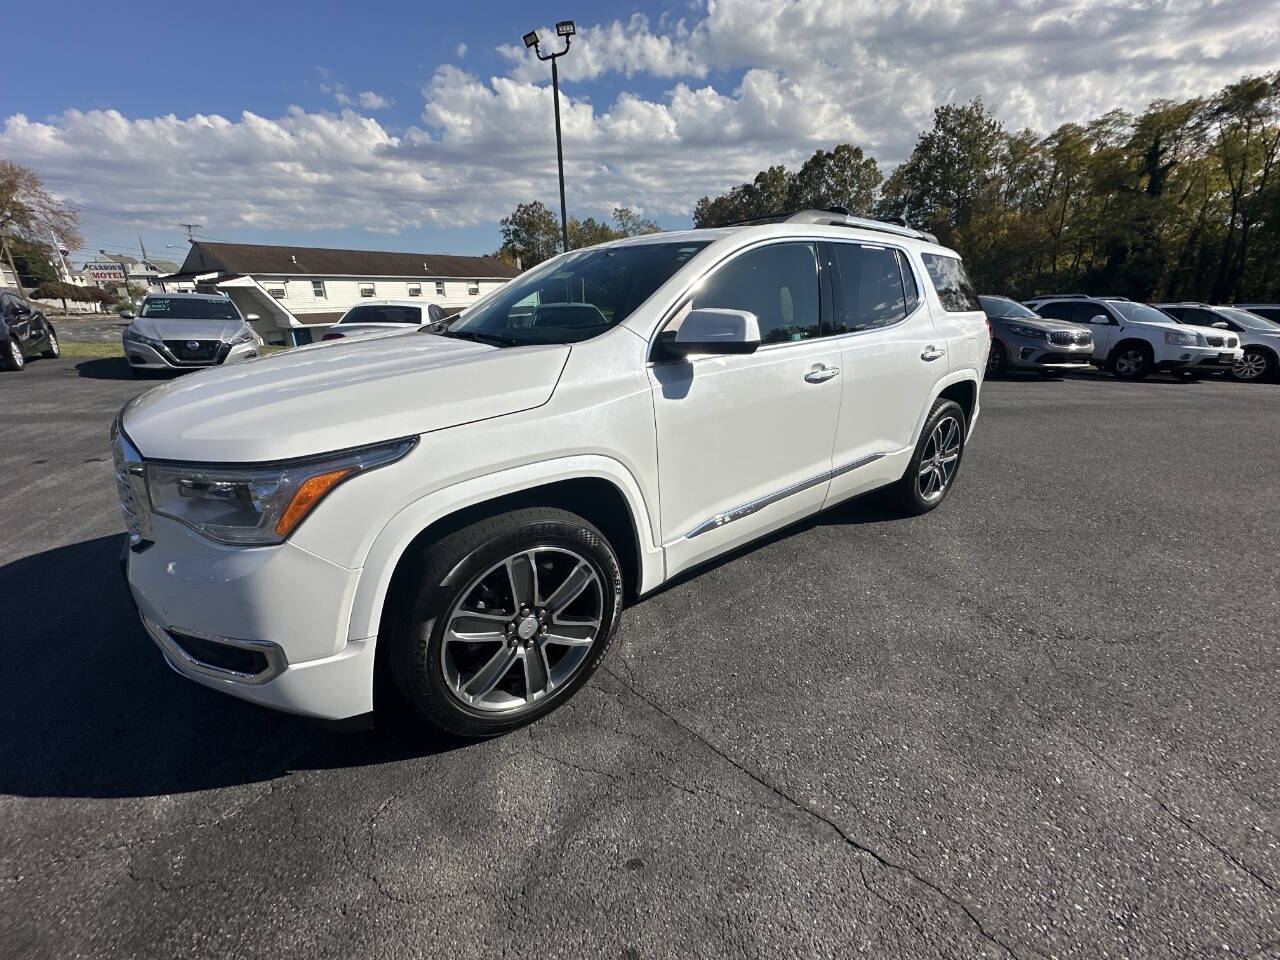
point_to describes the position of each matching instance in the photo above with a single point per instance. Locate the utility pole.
(566, 29)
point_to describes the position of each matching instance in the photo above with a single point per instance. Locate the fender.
(390, 544)
(960, 375)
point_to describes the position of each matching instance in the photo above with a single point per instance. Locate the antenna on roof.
(191, 230)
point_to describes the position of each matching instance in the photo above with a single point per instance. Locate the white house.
(295, 290)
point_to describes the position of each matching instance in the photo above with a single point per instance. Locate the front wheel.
(1132, 361)
(14, 358)
(503, 620)
(932, 471)
(1254, 365)
(997, 362)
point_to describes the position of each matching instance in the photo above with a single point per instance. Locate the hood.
(168, 328)
(338, 394)
(1043, 323)
(1207, 331)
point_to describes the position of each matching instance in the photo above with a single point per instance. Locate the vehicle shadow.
(92, 710)
(105, 368)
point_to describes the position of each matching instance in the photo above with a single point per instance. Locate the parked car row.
(1052, 333)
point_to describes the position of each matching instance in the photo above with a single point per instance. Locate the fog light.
(1026, 352)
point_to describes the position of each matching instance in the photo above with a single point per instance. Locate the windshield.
(1139, 312)
(582, 296)
(1004, 307)
(1250, 320)
(383, 313)
(188, 308)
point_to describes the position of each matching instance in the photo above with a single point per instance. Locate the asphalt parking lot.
(1039, 722)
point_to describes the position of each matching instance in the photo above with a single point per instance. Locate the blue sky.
(405, 126)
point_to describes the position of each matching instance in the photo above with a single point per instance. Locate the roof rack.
(1075, 296)
(836, 217)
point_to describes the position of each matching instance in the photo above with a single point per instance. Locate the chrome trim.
(184, 663)
(755, 506)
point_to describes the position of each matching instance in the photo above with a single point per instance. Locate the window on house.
(366, 290)
(415, 289)
(439, 289)
(473, 289)
(317, 289)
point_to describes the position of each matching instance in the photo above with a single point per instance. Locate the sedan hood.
(1041, 323)
(338, 394)
(166, 328)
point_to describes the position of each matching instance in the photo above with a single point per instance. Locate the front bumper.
(265, 624)
(1206, 359)
(1026, 353)
(146, 357)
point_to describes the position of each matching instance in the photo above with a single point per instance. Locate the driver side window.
(778, 283)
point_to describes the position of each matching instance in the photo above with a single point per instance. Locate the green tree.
(530, 232)
(842, 177)
(588, 232)
(630, 224)
(30, 213)
(764, 196)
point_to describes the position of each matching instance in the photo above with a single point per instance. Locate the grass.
(75, 348)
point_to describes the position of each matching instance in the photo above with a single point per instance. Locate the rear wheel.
(1132, 361)
(503, 620)
(13, 358)
(1254, 365)
(932, 471)
(53, 350)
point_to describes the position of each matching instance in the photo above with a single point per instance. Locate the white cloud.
(461, 51)
(747, 84)
(374, 101)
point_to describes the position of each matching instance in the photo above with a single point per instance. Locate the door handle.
(932, 353)
(821, 373)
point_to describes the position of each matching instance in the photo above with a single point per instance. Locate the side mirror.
(126, 313)
(715, 332)
(1099, 318)
(435, 313)
(1221, 325)
(251, 316)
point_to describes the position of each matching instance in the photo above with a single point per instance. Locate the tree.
(531, 232)
(29, 212)
(764, 196)
(586, 233)
(842, 177)
(631, 224)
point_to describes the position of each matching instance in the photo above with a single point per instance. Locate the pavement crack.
(861, 846)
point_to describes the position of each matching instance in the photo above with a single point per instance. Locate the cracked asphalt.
(1038, 722)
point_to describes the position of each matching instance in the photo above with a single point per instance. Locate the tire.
(54, 350)
(997, 360)
(1255, 366)
(1132, 360)
(13, 358)
(466, 584)
(918, 491)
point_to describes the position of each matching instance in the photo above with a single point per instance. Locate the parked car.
(383, 316)
(1023, 340)
(1135, 339)
(1259, 337)
(24, 332)
(1268, 311)
(183, 331)
(464, 514)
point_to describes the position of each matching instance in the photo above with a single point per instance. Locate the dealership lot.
(1039, 722)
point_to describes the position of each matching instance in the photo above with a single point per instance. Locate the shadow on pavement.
(105, 368)
(91, 710)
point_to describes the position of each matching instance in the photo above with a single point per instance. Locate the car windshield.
(1250, 320)
(581, 296)
(188, 308)
(1139, 312)
(382, 313)
(1004, 307)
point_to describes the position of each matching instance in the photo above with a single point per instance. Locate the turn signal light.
(309, 494)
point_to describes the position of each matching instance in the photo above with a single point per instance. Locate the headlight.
(136, 337)
(1176, 339)
(245, 336)
(258, 505)
(1031, 332)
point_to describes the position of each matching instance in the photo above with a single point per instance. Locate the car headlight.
(258, 505)
(1177, 339)
(134, 336)
(245, 336)
(1031, 332)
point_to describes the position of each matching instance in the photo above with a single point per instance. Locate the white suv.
(465, 512)
(1135, 339)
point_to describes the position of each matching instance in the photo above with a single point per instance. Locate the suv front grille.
(204, 351)
(1065, 338)
(1232, 342)
(1214, 341)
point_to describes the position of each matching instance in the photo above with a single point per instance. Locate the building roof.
(256, 258)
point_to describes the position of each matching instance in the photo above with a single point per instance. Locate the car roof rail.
(840, 217)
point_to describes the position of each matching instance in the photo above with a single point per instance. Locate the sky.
(417, 126)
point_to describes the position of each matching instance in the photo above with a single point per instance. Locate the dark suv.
(24, 332)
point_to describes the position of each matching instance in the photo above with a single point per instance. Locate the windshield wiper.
(481, 336)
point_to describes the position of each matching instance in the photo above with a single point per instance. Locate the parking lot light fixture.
(566, 29)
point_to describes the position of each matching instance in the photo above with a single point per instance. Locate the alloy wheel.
(1250, 367)
(522, 629)
(1130, 362)
(15, 351)
(938, 460)
(53, 344)
(995, 358)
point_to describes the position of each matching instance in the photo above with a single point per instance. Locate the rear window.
(871, 287)
(954, 287)
(382, 313)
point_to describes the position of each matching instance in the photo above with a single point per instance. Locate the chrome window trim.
(186, 664)
(758, 504)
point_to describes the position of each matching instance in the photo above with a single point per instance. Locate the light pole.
(566, 29)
